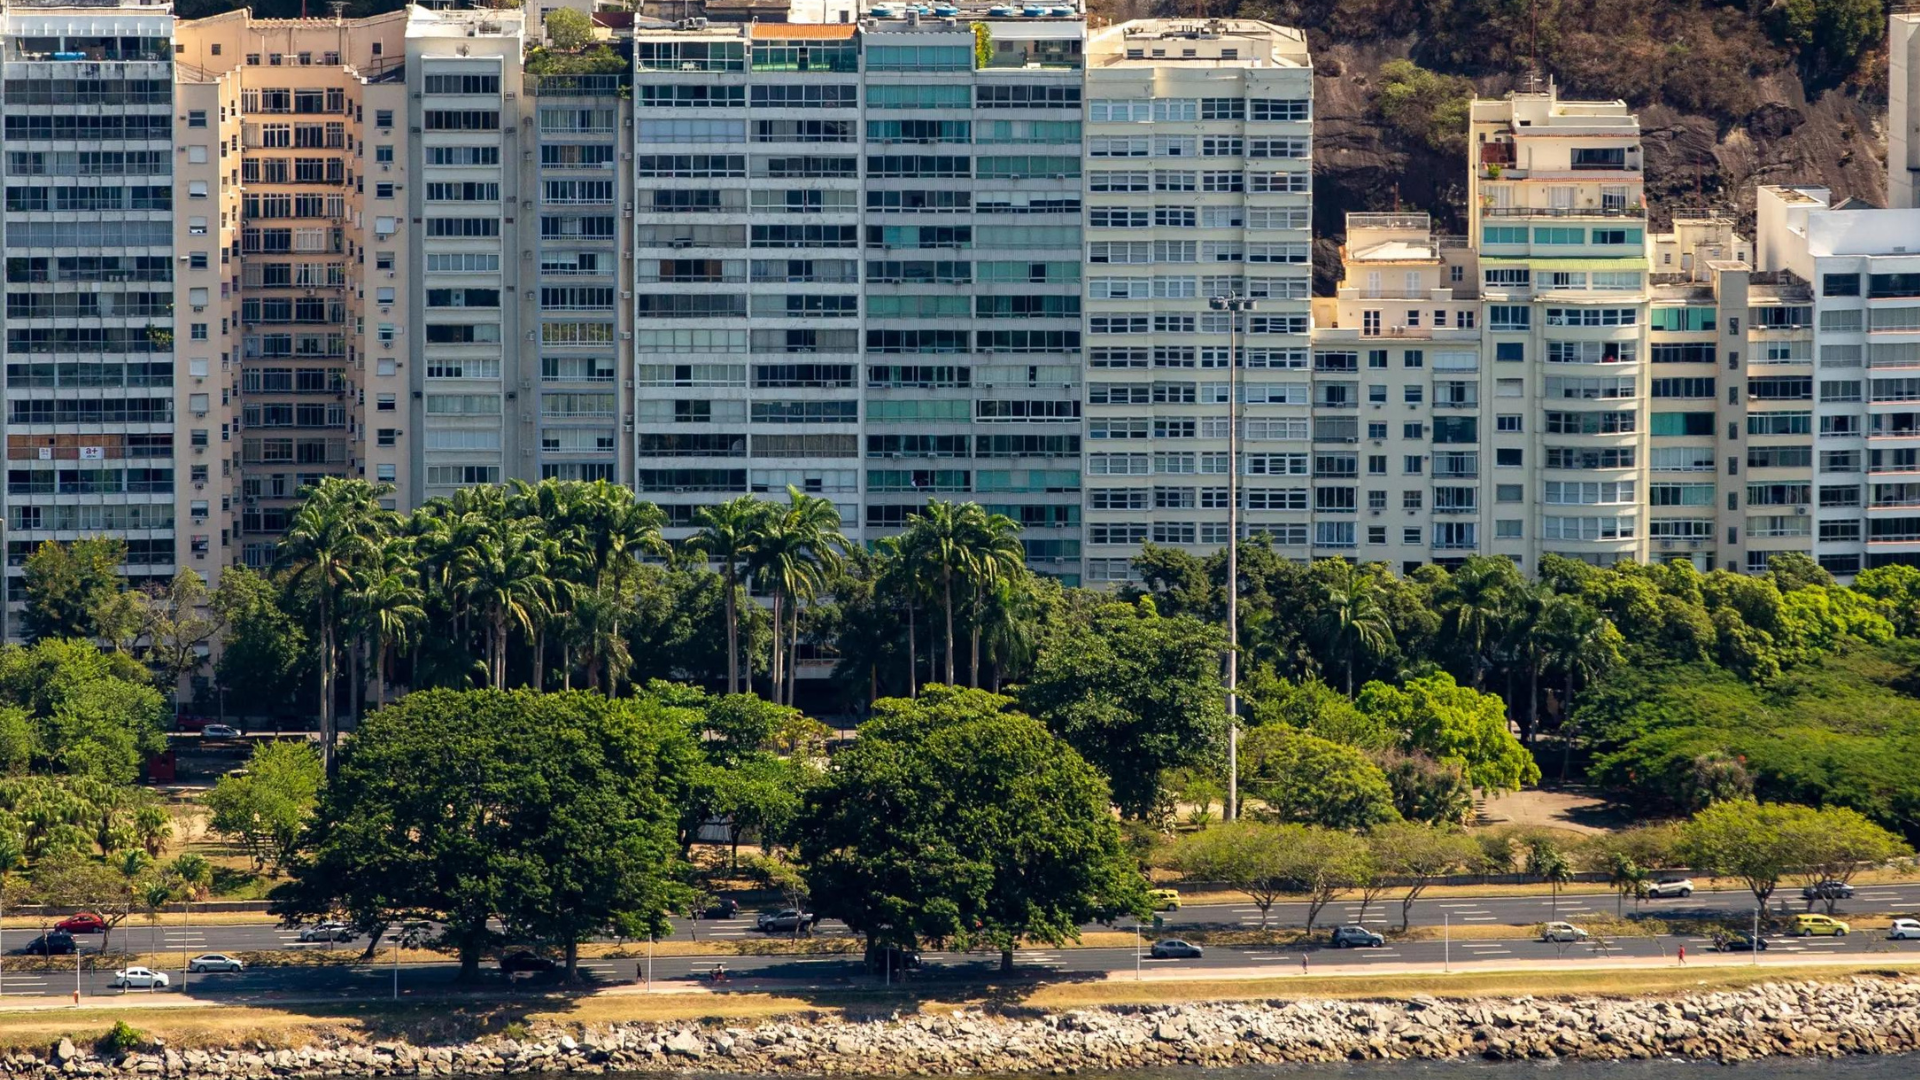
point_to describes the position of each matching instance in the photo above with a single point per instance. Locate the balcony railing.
(1564, 211)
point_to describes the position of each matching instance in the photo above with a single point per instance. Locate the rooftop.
(1198, 42)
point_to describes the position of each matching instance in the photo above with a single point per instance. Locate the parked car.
(86, 922)
(51, 943)
(139, 978)
(1827, 890)
(328, 931)
(1741, 941)
(787, 921)
(219, 731)
(1560, 931)
(1356, 937)
(1810, 924)
(1166, 900)
(1175, 949)
(1665, 887)
(719, 909)
(524, 962)
(214, 961)
(1904, 929)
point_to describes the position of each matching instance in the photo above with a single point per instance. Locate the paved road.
(1512, 910)
(376, 981)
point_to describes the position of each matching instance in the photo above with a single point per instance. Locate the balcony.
(1564, 212)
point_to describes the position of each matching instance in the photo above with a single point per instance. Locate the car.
(1827, 890)
(1904, 929)
(214, 961)
(1560, 931)
(1741, 941)
(1665, 887)
(1175, 949)
(1350, 937)
(219, 731)
(52, 943)
(1166, 900)
(86, 922)
(788, 921)
(328, 931)
(1809, 925)
(526, 963)
(139, 978)
(719, 909)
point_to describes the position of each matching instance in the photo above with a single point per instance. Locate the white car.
(140, 978)
(214, 961)
(328, 931)
(1665, 887)
(1904, 929)
(1560, 931)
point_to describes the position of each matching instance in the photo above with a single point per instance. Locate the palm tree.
(389, 603)
(800, 548)
(728, 534)
(330, 536)
(596, 632)
(504, 576)
(898, 576)
(1582, 644)
(945, 536)
(1475, 604)
(1351, 618)
(1006, 625)
(997, 556)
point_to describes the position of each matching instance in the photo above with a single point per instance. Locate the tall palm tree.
(1582, 644)
(1006, 625)
(1352, 619)
(898, 576)
(330, 537)
(1475, 603)
(503, 575)
(389, 604)
(997, 556)
(596, 631)
(945, 536)
(813, 524)
(728, 534)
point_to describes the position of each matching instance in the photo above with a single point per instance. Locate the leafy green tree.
(1251, 857)
(1419, 853)
(1425, 789)
(86, 885)
(953, 819)
(177, 621)
(1744, 839)
(553, 813)
(1627, 877)
(266, 809)
(67, 583)
(1310, 780)
(1135, 694)
(1424, 106)
(265, 653)
(91, 713)
(1833, 843)
(569, 30)
(1311, 706)
(1474, 605)
(1449, 722)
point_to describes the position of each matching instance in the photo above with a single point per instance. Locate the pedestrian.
(1683, 955)
(1303, 963)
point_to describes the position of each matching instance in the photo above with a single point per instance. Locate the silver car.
(328, 931)
(214, 961)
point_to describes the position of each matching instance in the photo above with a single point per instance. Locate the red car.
(84, 923)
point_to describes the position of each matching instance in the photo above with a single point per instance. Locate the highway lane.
(1434, 911)
(376, 981)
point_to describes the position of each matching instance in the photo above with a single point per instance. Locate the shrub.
(122, 1038)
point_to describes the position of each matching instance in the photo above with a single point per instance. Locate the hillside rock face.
(1836, 140)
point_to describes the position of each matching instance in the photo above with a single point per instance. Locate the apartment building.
(1199, 187)
(88, 232)
(1850, 277)
(876, 304)
(1404, 324)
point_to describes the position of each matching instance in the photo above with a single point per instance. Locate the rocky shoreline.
(1855, 1016)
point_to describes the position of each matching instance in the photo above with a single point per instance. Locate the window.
(383, 118)
(1840, 285)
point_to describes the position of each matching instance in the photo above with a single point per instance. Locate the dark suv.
(51, 943)
(1356, 937)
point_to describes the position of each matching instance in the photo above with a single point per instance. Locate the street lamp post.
(1233, 304)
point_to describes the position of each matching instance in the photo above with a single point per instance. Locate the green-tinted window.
(1559, 235)
(914, 411)
(806, 56)
(918, 58)
(917, 97)
(1683, 318)
(1027, 166)
(1504, 234)
(1683, 423)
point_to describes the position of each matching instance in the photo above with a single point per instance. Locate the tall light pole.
(1233, 304)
